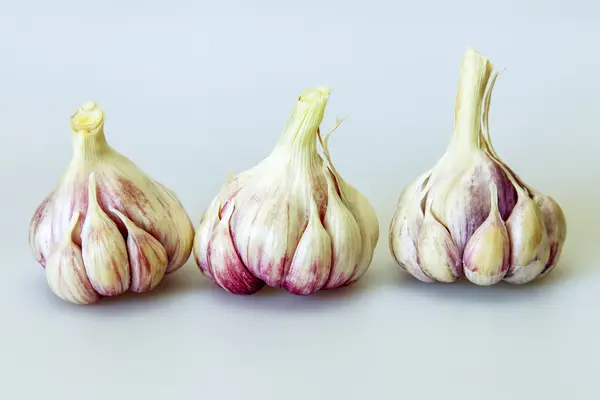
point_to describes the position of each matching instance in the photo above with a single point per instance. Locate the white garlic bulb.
(107, 227)
(291, 221)
(471, 216)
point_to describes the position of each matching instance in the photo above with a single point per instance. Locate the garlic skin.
(471, 216)
(291, 221)
(107, 227)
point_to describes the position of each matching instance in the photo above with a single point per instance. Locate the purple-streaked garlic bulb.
(291, 221)
(471, 216)
(107, 227)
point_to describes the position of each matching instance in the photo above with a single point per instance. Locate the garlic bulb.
(107, 227)
(291, 221)
(471, 216)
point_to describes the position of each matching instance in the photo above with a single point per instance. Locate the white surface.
(194, 89)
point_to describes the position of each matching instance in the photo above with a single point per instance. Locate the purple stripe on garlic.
(291, 221)
(131, 231)
(471, 216)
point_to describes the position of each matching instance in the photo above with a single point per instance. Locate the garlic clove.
(405, 228)
(367, 220)
(208, 223)
(39, 239)
(359, 206)
(487, 254)
(438, 254)
(65, 271)
(556, 228)
(242, 223)
(311, 265)
(103, 249)
(271, 243)
(177, 235)
(51, 219)
(405, 251)
(223, 262)
(530, 248)
(346, 238)
(147, 258)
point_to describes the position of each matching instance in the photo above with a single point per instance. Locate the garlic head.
(471, 216)
(291, 221)
(107, 227)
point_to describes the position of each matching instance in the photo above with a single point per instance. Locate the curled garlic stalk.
(107, 227)
(291, 221)
(471, 216)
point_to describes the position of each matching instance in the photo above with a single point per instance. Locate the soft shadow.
(189, 285)
(463, 290)
(178, 284)
(278, 299)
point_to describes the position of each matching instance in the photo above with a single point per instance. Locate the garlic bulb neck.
(475, 72)
(299, 138)
(87, 125)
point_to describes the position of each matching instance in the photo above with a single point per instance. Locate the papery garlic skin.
(291, 221)
(471, 216)
(131, 230)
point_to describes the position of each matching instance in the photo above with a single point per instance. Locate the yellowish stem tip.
(88, 118)
(315, 94)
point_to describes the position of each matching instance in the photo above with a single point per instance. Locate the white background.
(193, 89)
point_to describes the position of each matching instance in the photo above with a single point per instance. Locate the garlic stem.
(475, 73)
(87, 125)
(301, 129)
